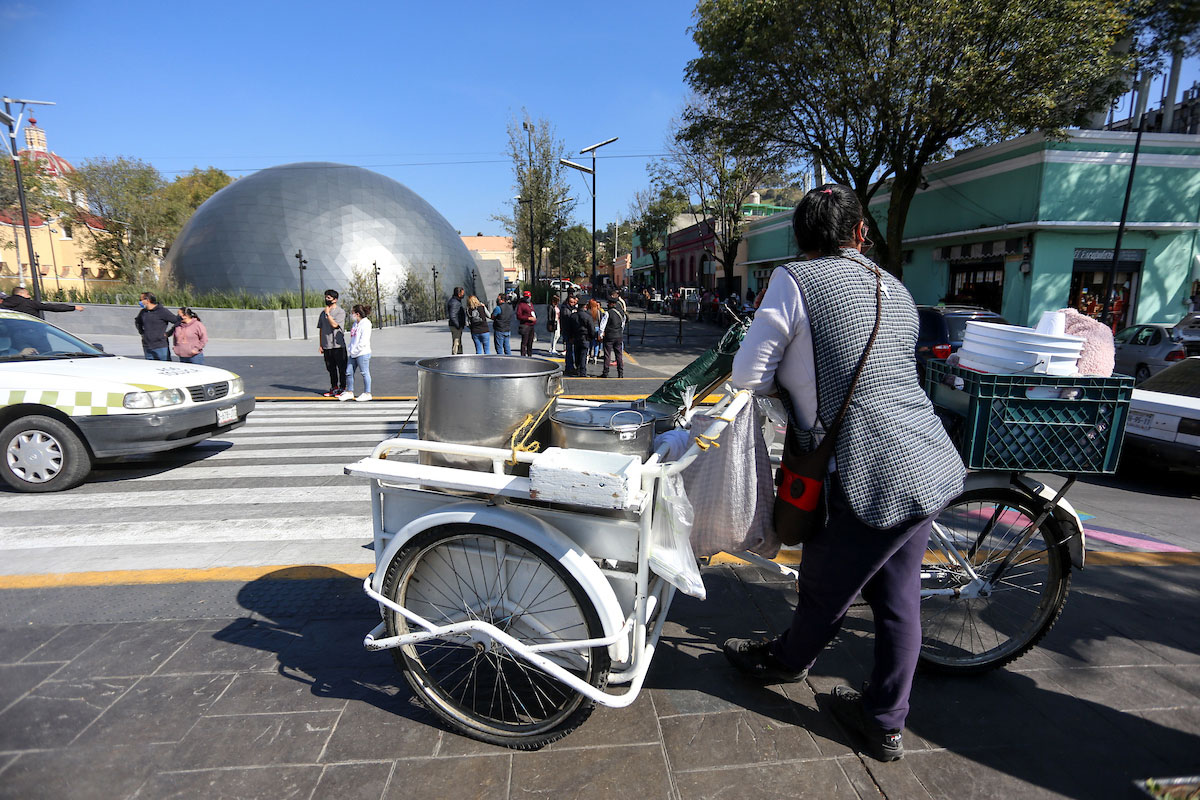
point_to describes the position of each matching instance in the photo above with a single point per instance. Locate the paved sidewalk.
(263, 690)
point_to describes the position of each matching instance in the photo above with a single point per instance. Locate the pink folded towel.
(1098, 356)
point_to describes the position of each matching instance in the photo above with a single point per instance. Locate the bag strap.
(831, 435)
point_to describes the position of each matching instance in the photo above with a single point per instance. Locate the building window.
(1089, 275)
(67, 231)
(979, 284)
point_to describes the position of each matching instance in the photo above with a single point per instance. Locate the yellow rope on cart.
(703, 441)
(519, 441)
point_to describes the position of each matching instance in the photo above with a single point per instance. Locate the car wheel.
(41, 454)
(1141, 374)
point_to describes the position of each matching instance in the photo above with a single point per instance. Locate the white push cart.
(513, 604)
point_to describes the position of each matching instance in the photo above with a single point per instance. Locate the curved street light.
(567, 163)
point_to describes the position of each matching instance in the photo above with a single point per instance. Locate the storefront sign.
(1085, 254)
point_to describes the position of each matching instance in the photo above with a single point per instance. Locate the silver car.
(1144, 350)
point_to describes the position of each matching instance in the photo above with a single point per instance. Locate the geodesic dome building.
(246, 236)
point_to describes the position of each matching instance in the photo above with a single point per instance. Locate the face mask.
(328, 302)
(142, 303)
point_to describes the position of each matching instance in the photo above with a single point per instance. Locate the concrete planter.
(223, 323)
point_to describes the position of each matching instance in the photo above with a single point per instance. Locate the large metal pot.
(481, 400)
(606, 428)
(664, 417)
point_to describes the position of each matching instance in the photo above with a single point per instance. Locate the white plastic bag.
(671, 555)
(733, 489)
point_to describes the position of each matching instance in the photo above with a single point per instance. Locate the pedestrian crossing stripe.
(73, 404)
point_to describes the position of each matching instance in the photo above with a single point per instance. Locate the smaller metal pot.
(604, 428)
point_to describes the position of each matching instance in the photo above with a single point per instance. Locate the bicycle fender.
(537, 532)
(1064, 512)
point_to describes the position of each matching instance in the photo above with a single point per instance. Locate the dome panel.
(246, 235)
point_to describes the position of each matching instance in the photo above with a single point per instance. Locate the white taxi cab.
(65, 403)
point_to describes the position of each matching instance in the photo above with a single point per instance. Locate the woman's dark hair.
(554, 299)
(363, 311)
(825, 219)
(187, 312)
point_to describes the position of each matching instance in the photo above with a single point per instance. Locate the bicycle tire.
(455, 572)
(969, 636)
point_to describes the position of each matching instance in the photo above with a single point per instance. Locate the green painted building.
(1029, 225)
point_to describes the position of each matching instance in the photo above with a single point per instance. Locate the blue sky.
(400, 87)
(421, 92)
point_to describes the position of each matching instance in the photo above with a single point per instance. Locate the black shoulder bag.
(800, 498)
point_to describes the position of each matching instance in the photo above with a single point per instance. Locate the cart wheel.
(479, 687)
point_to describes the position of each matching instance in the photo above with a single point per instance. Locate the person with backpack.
(612, 336)
(479, 322)
(502, 317)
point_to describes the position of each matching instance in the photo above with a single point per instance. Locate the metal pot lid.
(647, 410)
(602, 418)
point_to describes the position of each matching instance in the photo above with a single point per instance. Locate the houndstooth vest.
(894, 458)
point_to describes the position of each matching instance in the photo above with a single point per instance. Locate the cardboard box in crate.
(1032, 423)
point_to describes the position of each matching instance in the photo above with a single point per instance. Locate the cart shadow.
(314, 619)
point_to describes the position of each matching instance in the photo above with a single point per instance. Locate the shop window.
(1088, 281)
(979, 284)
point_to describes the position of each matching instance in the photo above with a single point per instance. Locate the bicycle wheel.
(1016, 608)
(477, 686)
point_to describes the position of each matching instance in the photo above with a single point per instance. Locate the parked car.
(942, 327)
(1164, 417)
(1144, 350)
(65, 403)
(1187, 332)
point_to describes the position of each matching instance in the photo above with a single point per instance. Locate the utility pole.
(529, 188)
(1106, 314)
(378, 305)
(303, 311)
(437, 299)
(12, 136)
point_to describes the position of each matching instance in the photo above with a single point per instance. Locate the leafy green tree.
(652, 212)
(720, 172)
(539, 180)
(41, 193)
(877, 90)
(186, 193)
(576, 252)
(417, 298)
(126, 194)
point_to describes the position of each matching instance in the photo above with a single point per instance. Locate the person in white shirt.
(359, 352)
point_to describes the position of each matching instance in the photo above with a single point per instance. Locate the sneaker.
(364, 397)
(344, 396)
(753, 657)
(879, 744)
(330, 393)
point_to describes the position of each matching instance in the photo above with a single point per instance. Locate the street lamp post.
(83, 274)
(590, 149)
(437, 299)
(13, 124)
(378, 305)
(303, 311)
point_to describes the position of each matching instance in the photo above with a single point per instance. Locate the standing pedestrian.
(152, 323)
(457, 315)
(593, 308)
(553, 313)
(480, 324)
(20, 300)
(190, 337)
(526, 322)
(502, 318)
(895, 467)
(578, 335)
(332, 345)
(612, 334)
(359, 354)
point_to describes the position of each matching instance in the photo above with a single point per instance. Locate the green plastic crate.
(998, 425)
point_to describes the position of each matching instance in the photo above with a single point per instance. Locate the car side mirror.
(98, 346)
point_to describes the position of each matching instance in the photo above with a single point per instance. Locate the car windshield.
(1182, 378)
(31, 339)
(958, 323)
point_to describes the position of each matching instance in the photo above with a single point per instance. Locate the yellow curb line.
(300, 572)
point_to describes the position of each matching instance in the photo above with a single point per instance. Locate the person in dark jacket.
(502, 317)
(331, 330)
(151, 322)
(20, 300)
(456, 313)
(478, 320)
(578, 333)
(526, 323)
(612, 336)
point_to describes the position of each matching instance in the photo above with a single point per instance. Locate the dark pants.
(849, 557)
(335, 362)
(611, 348)
(577, 357)
(527, 333)
(157, 353)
